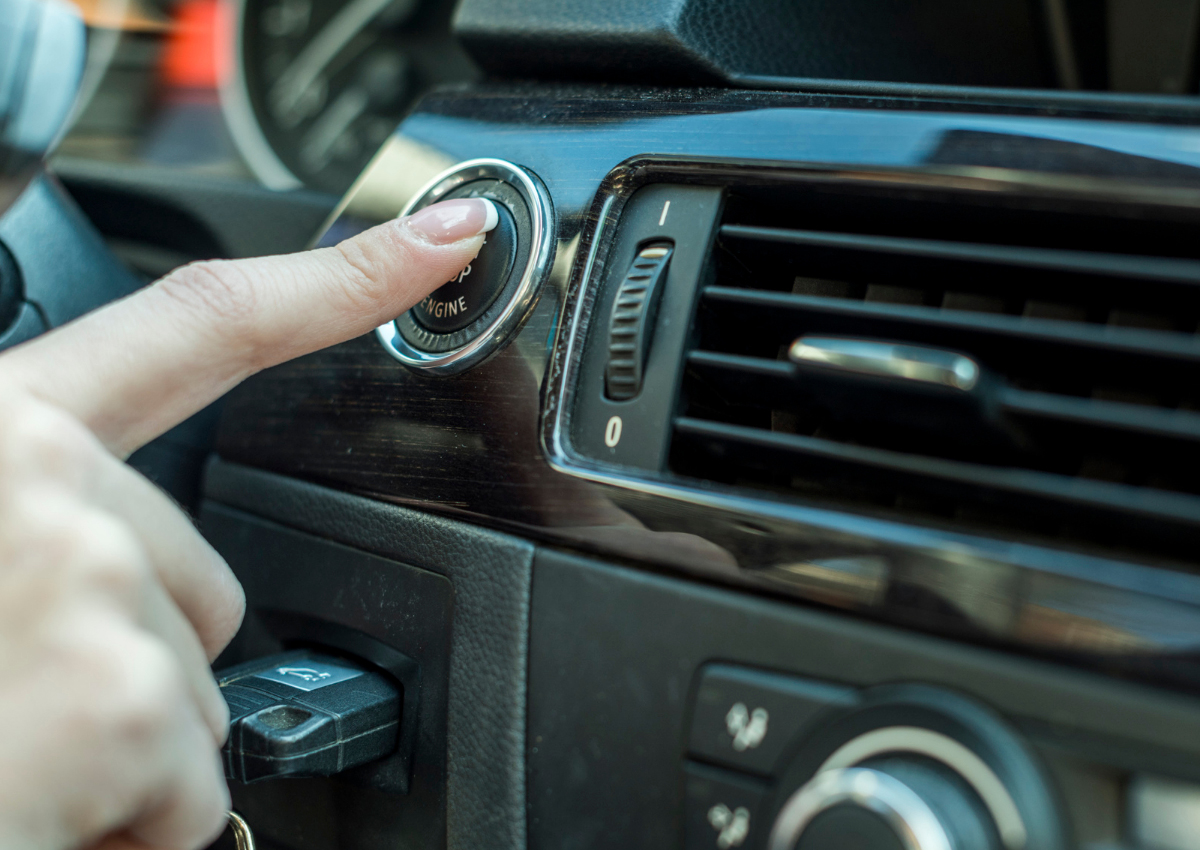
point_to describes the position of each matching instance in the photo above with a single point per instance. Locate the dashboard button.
(721, 810)
(746, 719)
(456, 304)
(473, 316)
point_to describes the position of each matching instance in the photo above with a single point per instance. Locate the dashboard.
(808, 460)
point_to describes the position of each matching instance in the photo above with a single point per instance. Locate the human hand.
(111, 604)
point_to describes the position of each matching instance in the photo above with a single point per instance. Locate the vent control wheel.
(471, 317)
(631, 324)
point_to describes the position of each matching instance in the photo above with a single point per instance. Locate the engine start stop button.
(473, 316)
(466, 297)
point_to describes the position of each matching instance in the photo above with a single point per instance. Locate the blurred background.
(300, 93)
(289, 93)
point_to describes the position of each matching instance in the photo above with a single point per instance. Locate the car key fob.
(304, 713)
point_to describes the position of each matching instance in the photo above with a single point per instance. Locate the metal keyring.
(241, 832)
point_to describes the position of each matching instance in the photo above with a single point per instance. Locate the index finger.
(135, 368)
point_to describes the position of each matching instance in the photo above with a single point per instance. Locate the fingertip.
(454, 220)
(493, 215)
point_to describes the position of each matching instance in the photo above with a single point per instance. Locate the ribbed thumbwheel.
(632, 323)
(897, 803)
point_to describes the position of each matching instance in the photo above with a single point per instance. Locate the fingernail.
(450, 221)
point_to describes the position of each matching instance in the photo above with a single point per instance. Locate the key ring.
(241, 831)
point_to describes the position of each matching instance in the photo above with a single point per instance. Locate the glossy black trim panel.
(469, 446)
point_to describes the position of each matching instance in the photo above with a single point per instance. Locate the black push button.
(306, 714)
(746, 719)
(464, 299)
(722, 811)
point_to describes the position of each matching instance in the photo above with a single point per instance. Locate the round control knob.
(890, 804)
(473, 316)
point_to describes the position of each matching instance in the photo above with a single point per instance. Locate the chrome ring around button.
(522, 301)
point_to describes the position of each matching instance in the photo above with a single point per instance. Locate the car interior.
(810, 459)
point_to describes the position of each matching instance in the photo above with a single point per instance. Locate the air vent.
(1081, 415)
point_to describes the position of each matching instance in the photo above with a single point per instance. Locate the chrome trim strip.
(944, 749)
(541, 259)
(909, 816)
(570, 360)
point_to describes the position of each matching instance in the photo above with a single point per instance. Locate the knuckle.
(365, 290)
(73, 553)
(134, 691)
(36, 539)
(39, 437)
(147, 690)
(216, 291)
(110, 555)
(194, 812)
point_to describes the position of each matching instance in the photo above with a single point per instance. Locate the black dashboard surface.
(483, 446)
(593, 593)
(562, 603)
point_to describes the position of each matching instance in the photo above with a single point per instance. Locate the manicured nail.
(450, 221)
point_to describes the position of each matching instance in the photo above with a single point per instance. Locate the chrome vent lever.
(888, 360)
(863, 384)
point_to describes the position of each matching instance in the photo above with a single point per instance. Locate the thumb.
(137, 367)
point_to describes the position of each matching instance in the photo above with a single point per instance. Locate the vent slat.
(1140, 511)
(767, 383)
(1056, 427)
(751, 381)
(1116, 420)
(1034, 348)
(1127, 341)
(1064, 270)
